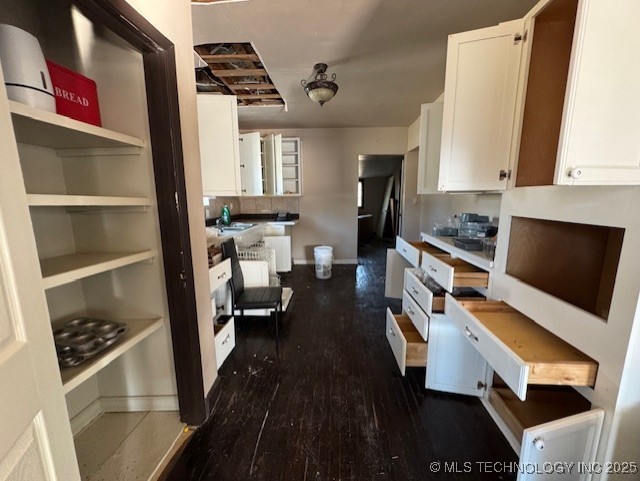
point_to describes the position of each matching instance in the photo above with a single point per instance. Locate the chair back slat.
(237, 279)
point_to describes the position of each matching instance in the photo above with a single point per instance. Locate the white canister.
(25, 70)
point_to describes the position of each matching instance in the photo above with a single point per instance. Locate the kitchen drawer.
(519, 350)
(408, 347)
(224, 340)
(418, 317)
(413, 251)
(219, 274)
(451, 272)
(552, 424)
(430, 301)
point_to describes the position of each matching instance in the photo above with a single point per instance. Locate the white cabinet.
(579, 105)
(430, 136)
(479, 102)
(251, 164)
(219, 150)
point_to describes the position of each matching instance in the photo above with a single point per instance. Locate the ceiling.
(388, 55)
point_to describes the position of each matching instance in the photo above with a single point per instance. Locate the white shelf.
(72, 377)
(46, 129)
(476, 258)
(57, 271)
(55, 200)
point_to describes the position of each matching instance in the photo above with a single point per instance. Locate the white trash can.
(324, 260)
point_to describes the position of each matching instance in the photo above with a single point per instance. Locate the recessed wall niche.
(573, 262)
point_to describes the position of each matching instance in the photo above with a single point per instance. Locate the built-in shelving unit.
(57, 271)
(140, 329)
(291, 166)
(47, 129)
(55, 200)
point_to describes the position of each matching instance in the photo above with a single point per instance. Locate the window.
(360, 195)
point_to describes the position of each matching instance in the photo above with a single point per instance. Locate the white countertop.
(477, 258)
(213, 239)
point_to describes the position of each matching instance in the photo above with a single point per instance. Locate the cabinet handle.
(470, 334)
(226, 339)
(404, 250)
(392, 332)
(433, 269)
(411, 311)
(538, 443)
(414, 290)
(222, 276)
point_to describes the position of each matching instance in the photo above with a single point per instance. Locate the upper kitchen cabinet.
(219, 150)
(479, 105)
(578, 113)
(291, 166)
(251, 175)
(430, 135)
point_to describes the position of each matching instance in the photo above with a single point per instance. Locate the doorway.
(379, 197)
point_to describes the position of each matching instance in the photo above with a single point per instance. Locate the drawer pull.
(226, 339)
(222, 276)
(411, 311)
(433, 269)
(392, 332)
(538, 443)
(404, 250)
(414, 290)
(470, 334)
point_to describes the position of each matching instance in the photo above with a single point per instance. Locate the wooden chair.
(243, 298)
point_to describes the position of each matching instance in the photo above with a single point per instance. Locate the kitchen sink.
(236, 227)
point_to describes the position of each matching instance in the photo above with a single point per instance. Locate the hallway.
(334, 406)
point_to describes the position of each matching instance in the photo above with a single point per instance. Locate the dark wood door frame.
(166, 144)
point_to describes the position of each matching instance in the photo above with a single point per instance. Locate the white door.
(453, 364)
(36, 441)
(569, 440)
(251, 164)
(599, 142)
(479, 107)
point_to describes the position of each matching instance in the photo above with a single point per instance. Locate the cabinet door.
(453, 365)
(479, 104)
(277, 163)
(268, 164)
(219, 151)
(569, 440)
(251, 164)
(599, 141)
(429, 149)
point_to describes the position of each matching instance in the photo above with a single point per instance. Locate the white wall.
(328, 206)
(173, 19)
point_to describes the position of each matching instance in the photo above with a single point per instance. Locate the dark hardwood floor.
(334, 405)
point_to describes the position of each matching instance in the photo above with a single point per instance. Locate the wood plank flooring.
(334, 405)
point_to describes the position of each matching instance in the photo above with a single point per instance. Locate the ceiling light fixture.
(320, 89)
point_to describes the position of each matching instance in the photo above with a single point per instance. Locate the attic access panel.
(236, 69)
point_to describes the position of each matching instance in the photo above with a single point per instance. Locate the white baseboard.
(84, 417)
(312, 261)
(139, 403)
